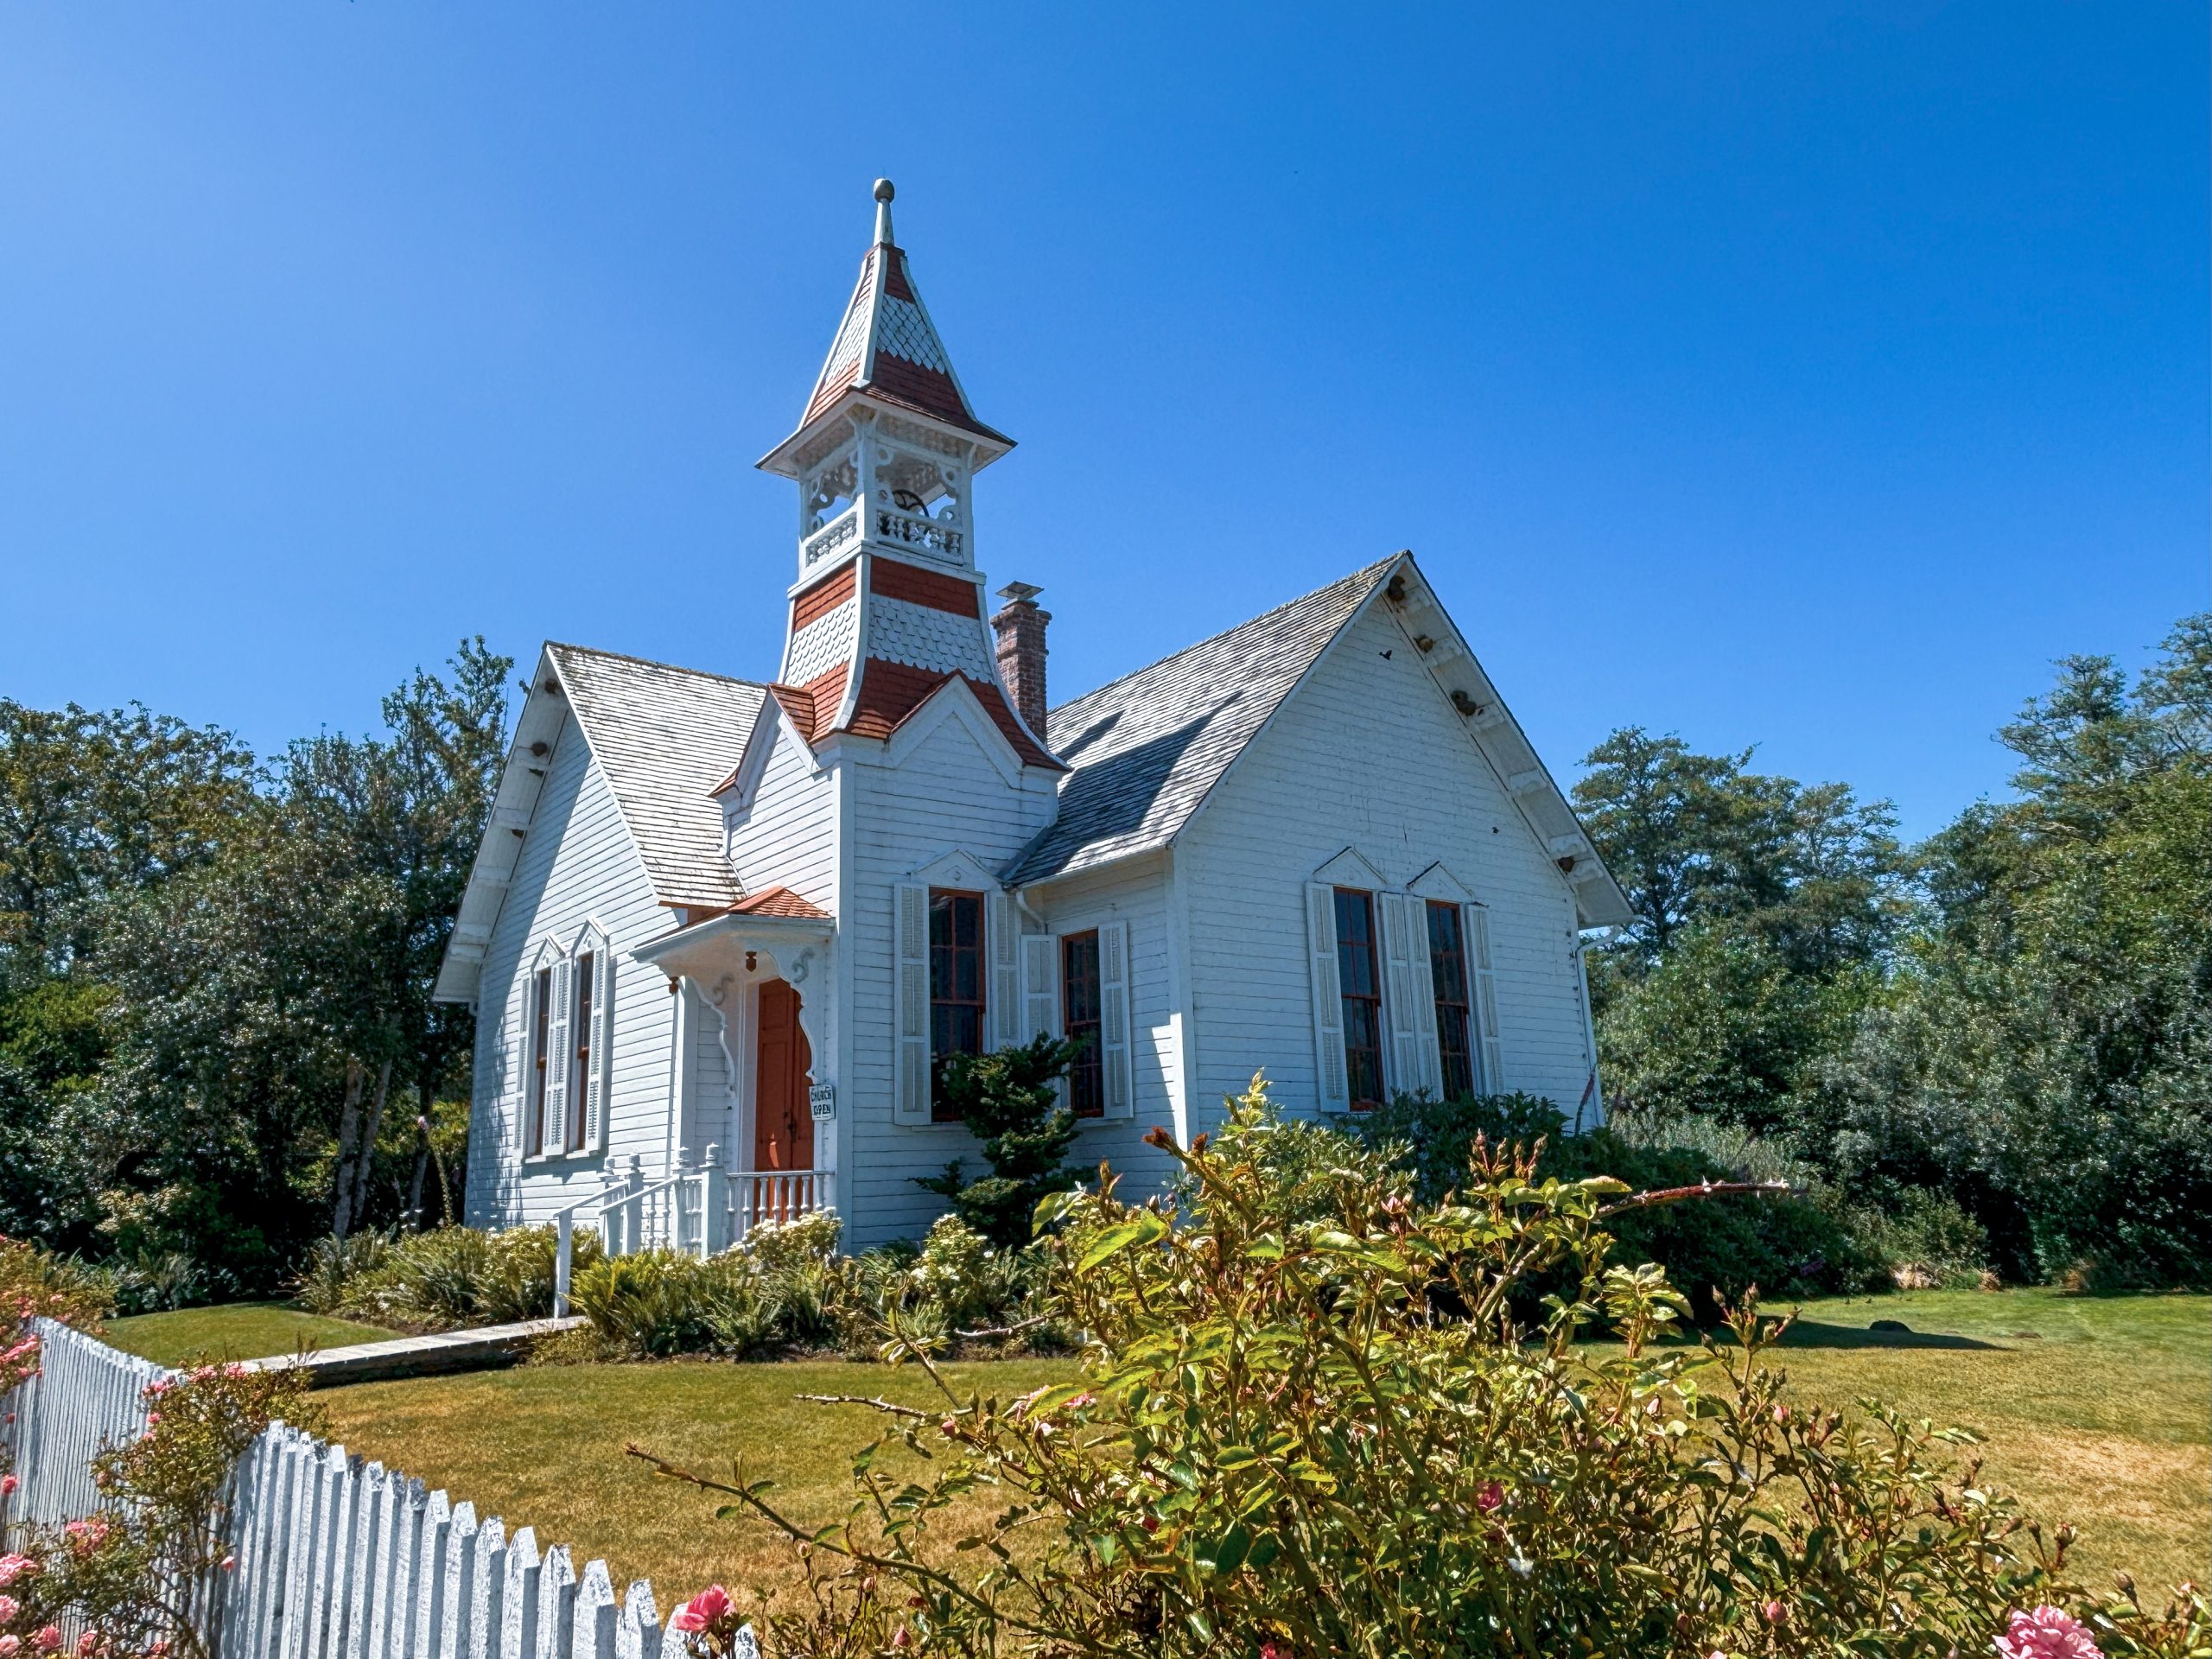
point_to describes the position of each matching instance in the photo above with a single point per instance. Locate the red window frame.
(1455, 1023)
(1359, 986)
(957, 980)
(1082, 1017)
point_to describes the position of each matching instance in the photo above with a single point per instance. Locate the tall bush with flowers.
(1309, 1425)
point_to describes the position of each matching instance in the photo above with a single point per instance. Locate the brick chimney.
(1021, 652)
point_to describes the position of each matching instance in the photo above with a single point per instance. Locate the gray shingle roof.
(1146, 748)
(664, 737)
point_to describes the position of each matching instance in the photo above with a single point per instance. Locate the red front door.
(782, 1129)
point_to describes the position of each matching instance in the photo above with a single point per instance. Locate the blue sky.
(1807, 376)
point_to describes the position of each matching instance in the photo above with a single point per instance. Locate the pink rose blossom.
(1490, 1498)
(709, 1607)
(8, 1483)
(47, 1639)
(15, 1566)
(7, 1646)
(88, 1644)
(8, 1608)
(1775, 1612)
(2047, 1633)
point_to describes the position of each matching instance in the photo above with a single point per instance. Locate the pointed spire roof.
(888, 346)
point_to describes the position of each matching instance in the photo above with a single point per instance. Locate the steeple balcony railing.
(917, 532)
(818, 546)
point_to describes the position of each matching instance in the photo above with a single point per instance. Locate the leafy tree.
(2046, 1053)
(1007, 1098)
(273, 999)
(97, 804)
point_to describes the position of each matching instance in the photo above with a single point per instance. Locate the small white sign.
(821, 1100)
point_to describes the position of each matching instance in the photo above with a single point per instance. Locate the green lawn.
(234, 1331)
(542, 1446)
(2096, 1410)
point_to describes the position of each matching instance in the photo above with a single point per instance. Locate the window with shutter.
(584, 1026)
(1448, 973)
(1359, 987)
(957, 984)
(1079, 1019)
(603, 1068)
(1116, 1051)
(1328, 1006)
(1412, 1009)
(553, 1119)
(537, 1015)
(1492, 1081)
(911, 923)
(1005, 999)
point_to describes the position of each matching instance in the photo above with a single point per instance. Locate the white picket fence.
(85, 1397)
(333, 1558)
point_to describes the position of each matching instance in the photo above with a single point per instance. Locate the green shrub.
(334, 1266)
(1300, 1437)
(1790, 1244)
(1924, 1239)
(444, 1279)
(652, 1302)
(1009, 1099)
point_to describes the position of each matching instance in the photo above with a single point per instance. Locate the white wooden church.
(721, 933)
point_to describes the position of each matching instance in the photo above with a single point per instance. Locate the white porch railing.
(700, 1211)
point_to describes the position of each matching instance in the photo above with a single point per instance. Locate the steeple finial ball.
(883, 195)
(884, 190)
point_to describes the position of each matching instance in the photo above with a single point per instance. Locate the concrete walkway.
(443, 1351)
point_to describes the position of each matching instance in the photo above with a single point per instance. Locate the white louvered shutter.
(1115, 1054)
(603, 1047)
(1413, 997)
(1003, 948)
(552, 1128)
(1484, 989)
(1332, 1088)
(1040, 985)
(910, 971)
(526, 1046)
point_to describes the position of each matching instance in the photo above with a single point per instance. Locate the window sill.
(542, 1159)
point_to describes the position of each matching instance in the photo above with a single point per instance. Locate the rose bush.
(1309, 1425)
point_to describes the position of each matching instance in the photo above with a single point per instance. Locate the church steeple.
(888, 609)
(887, 379)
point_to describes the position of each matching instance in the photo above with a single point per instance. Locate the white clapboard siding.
(332, 1558)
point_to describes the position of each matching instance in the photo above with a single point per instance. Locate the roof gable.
(1147, 750)
(661, 738)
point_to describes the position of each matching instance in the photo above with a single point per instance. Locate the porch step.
(480, 1349)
